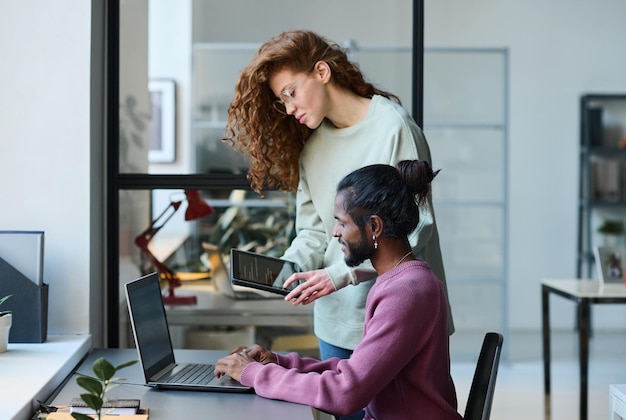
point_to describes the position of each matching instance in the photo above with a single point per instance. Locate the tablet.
(261, 272)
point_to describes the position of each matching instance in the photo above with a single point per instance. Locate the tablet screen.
(260, 271)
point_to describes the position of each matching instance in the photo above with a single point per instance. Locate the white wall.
(558, 50)
(45, 143)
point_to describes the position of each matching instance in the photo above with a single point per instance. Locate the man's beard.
(357, 253)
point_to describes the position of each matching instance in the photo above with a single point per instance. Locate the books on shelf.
(111, 407)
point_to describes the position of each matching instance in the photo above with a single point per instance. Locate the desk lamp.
(196, 209)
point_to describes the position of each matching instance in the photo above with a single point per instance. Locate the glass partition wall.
(464, 100)
(466, 124)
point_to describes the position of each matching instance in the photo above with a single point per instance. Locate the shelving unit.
(602, 193)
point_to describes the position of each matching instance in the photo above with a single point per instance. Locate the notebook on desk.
(221, 280)
(154, 344)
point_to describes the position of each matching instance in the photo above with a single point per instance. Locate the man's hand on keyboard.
(233, 364)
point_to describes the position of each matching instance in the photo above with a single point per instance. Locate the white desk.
(584, 293)
(169, 405)
(34, 371)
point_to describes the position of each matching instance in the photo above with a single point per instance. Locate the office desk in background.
(584, 293)
(168, 405)
(215, 309)
(190, 325)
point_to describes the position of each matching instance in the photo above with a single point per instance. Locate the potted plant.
(613, 231)
(98, 386)
(6, 319)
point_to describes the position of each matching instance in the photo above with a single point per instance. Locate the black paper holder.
(29, 305)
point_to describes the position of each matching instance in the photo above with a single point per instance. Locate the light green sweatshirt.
(387, 135)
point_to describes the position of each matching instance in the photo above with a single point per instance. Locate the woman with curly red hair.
(306, 116)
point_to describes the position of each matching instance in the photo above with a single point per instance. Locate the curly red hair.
(271, 140)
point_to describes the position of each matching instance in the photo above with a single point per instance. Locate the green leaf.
(126, 364)
(4, 298)
(103, 369)
(80, 416)
(90, 384)
(92, 401)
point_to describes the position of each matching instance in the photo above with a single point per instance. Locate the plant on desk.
(3, 313)
(98, 386)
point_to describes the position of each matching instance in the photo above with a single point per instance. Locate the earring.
(375, 242)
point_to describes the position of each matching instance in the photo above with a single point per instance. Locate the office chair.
(481, 392)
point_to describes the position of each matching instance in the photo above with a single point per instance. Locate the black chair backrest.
(481, 392)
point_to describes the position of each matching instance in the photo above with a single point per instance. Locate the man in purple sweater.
(401, 368)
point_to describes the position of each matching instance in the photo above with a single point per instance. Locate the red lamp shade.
(197, 208)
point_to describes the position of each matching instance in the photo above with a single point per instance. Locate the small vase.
(5, 326)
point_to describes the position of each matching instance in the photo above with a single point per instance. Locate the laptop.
(154, 344)
(221, 280)
(261, 271)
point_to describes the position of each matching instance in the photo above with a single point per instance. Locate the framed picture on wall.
(162, 121)
(610, 264)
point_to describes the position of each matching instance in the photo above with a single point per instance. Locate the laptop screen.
(150, 324)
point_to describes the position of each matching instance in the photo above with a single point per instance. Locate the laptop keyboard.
(193, 374)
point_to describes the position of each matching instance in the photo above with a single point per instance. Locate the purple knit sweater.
(401, 369)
